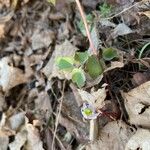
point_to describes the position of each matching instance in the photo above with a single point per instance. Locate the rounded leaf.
(78, 77)
(65, 63)
(81, 57)
(109, 53)
(94, 67)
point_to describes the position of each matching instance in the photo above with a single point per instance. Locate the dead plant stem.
(58, 116)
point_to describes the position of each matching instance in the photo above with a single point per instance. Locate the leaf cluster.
(82, 63)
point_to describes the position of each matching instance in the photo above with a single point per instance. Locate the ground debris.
(140, 140)
(113, 136)
(137, 105)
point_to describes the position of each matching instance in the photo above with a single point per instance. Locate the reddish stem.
(86, 27)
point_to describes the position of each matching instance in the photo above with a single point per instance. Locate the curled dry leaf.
(113, 136)
(140, 140)
(146, 13)
(137, 105)
(33, 138)
(19, 141)
(95, 98)
(121, 29)
(65, 49)
(115, 64)
(10, 76)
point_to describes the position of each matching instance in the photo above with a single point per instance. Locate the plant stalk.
(86, 27)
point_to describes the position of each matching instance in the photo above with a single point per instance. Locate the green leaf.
(78, 77)
(52, 1)
(80, 24)
(65, 63)
(105, 10)
(81, 57)
(94, 67)
(109, 54)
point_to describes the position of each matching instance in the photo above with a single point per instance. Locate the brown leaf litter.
(32, 36)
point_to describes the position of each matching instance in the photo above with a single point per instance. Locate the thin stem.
(58, 116)
(86, 27)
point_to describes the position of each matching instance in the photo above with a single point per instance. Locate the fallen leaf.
(140, 140)
(19, 141)
(4, 140)
(114, 64)
(8, 75)
(16, 120)
(113, 136)
(146, 13)
(73, 120)
(64, 49)
(121, 29)
(90, 4)
(95, 98)
(33, 138)
(42, 39)
(137, 104)
(140, 78)
(43, 104)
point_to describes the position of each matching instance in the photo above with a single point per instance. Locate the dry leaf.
(140, 140)
(146, 13)
(115, 64)
(137, 102)
(2, 30)
(16, 120)
(33, 138)
(3, 120)
(10, 76)
(121, 29)
(51, 70)
(4, 140)
(19, 141)
(43, 104)
(113, 136)
(42, 39)
(95, 98)
(73, 120)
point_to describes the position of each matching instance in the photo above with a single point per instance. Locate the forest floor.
(102, 103)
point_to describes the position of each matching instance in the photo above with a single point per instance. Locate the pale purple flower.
(88, 111)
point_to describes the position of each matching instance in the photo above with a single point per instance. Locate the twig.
(58, 116)
(57, 138)
(126, 9)
(86, 27)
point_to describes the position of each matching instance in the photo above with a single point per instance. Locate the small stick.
(86, 27)
(58, 116)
